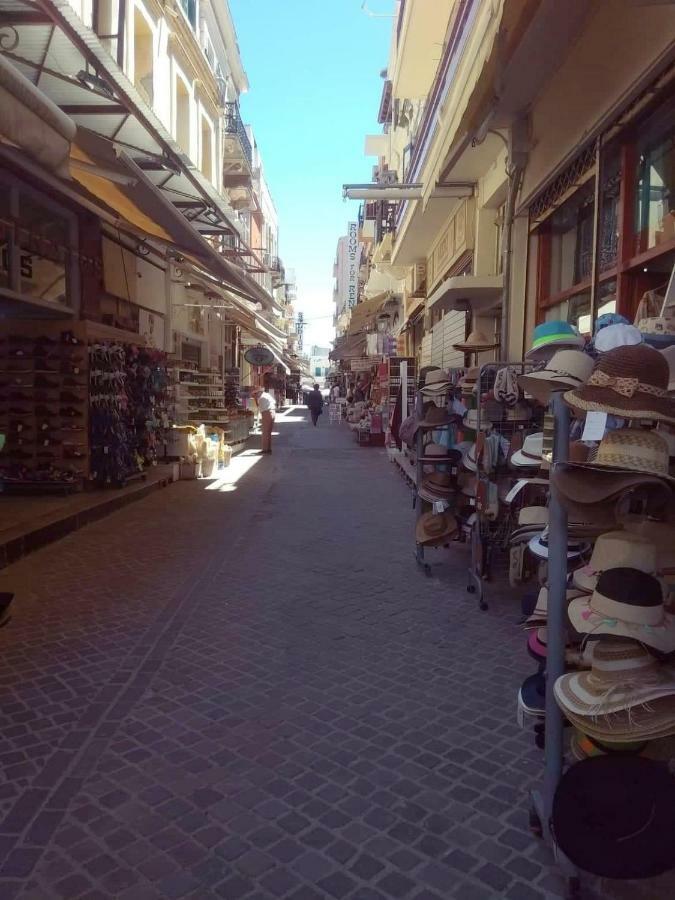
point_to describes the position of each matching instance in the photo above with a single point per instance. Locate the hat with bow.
(631, 382)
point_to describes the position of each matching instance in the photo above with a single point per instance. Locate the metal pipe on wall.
(597, 225)
(515, 179)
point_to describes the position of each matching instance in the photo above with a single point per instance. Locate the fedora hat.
(531, 452)
(436, 382)
(434, 528)
(539, 546)
(621, 334)
(566, 369)
(632, 450)
(551, 336)
(614, 816)
(476, 342)
(471, 421)
(623, 674)
(626, 603)
(612, 550)
(436, 417)
(469, 458)
(441, 482)
(439, 453)
(631, 382)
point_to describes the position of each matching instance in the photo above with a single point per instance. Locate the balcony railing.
(234, 125)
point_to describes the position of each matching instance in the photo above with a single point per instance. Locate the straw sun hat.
(435, 528)
(616, 549)
(566, 369)
(476, 342)
(626, 603)
(631, 382)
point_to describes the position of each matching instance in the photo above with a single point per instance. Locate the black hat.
(614, 816)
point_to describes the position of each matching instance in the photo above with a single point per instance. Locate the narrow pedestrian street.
(248, 690)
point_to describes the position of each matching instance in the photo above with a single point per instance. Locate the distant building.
(319, 363)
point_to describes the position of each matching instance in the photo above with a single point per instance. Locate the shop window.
(143, 58)
(36, 241)
(577, 309)
(655, 201)
(182, 115)
(609, 212)
(571, 234)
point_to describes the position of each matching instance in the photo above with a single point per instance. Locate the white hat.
(471, 421)
(619, 335)
(531, 452)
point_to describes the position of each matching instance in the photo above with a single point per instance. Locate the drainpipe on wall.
(517, 161)
(168, 307)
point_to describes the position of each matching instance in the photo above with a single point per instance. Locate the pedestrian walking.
(315, 404)
(267, 407)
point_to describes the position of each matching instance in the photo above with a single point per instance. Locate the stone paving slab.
(250, 691)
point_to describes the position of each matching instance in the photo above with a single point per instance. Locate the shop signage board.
(362, 365)
(353, 263)
(259, 356)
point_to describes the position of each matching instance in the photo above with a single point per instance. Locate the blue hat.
(609, 319)
(555, 335)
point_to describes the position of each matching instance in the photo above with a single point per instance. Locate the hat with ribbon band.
(566, 369)
(551, 336)
(626, 603)
(615, 549)
(631, 382)
(434, 528)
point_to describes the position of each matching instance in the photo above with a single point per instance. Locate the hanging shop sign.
(353, 263)
(259, 356)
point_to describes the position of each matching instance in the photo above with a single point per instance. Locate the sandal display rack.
(495, 520)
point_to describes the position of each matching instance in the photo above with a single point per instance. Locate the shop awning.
(365, 312)
(32, 122)
(351, 347)
(479, 293)
(51, 45)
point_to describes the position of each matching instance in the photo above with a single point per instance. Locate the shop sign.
(363, 365)
(353, 263)
(259, 356)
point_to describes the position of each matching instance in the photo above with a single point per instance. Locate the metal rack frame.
(482, 529)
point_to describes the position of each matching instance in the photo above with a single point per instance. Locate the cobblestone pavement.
(250, 691)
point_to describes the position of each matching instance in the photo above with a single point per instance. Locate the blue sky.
(313, 68)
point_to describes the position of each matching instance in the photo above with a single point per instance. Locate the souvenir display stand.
(495, 519)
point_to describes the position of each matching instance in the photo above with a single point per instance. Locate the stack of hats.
(552, 336)
(468, 382)
(471, 421)
(436, 384)
(437, 486)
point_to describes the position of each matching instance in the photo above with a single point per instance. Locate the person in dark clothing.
(315, 404)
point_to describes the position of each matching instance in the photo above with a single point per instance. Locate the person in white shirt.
(267, 407)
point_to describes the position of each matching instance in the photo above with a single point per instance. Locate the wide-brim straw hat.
(626, 603)
(566, 369)
(551, 336)
(540, 612)
(476, 342)
(632, 450)
(630, 382)
(623, 674)
(638, 723)
(614, 816)
(615, 549)
(530, 454)
(576, 488)
(436, 417)
(434, 528)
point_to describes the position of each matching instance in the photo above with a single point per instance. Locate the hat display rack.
(606, 673)
(498, 421)
(439, 518)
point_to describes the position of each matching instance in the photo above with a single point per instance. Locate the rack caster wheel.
(471, 588)
(535, 824)
(573, 888)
